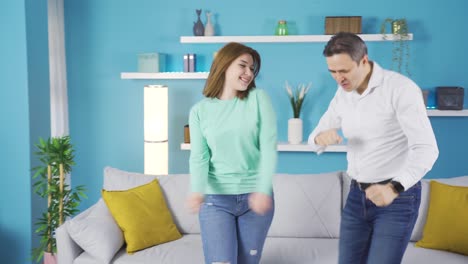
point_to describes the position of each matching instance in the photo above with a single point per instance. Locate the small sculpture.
(209, 28)
(198, 28)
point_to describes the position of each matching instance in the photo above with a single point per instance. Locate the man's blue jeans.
(231, 232)
(371, 234)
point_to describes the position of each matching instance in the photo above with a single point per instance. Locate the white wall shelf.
(164, 75)
(286, 147)
(285, 39)
(434, 112)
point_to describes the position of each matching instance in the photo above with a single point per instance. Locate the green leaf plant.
(296, 97)
(400, 45)
(56, 156)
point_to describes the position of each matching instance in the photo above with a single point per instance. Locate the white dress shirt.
(389, 135)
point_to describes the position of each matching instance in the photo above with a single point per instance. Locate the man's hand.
(328, 137)
(194, 202)
(260, 203)
(381, 194)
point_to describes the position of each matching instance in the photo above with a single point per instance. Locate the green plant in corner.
(400, 50)
(56, 160)
(296, 97)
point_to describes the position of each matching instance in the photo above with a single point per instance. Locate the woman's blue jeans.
(231, 232)
(371, 234)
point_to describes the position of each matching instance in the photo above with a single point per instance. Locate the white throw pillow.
(119, 180)
(96, 232)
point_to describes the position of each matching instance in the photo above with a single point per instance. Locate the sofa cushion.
(447, 217)
(425, 191)
(307, 205)
(96, 232)
(143, 216)
(415, 254)
(175, 188)
(188, 249)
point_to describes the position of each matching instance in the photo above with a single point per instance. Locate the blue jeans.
(371, 234)
(231, 232)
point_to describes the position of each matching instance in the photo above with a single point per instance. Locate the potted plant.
(400, 50)
(296, 98)
(56, 160)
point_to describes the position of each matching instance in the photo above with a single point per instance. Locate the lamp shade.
(156, 129)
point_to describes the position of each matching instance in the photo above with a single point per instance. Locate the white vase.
(209, 28)
(295, 131)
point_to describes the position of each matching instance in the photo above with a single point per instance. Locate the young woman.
(233, 159)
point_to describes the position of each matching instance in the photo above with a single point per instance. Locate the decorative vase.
(281, 28)
(49, 258)
(198, 28)
(209, 28)
(295, 131)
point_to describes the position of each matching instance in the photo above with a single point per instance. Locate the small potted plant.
(400, 50)
(56, 160)
(296, 98)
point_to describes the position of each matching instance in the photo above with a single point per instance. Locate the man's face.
(348, 74)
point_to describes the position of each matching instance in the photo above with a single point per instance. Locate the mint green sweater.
(233, 145)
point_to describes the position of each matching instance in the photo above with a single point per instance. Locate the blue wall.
(39, 92)
(24, 115)
(104, 38)
(15, 202)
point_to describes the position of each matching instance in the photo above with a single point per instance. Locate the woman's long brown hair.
(225, 56)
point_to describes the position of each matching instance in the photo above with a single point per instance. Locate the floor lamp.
(156, 129)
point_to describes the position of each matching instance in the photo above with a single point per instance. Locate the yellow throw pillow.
(143, 216)
(447, 219)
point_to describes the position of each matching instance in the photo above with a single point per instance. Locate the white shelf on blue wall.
(304, 147)
(286, 39)
(435, 112)
(286, 147)
(163, 75)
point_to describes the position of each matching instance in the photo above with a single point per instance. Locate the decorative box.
(335, 24)
(450, 97)
(151, 62)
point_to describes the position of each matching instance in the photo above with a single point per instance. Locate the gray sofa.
(305, 227)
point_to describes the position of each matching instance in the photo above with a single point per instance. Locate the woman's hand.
(194, 202)
(260, 203)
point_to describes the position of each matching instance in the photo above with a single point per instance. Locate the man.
(391, 146)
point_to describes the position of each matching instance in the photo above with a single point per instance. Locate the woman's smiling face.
(239, 75)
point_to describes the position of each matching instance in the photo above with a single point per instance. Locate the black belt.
(364, 185)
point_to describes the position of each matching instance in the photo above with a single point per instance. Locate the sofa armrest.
(67, 249)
